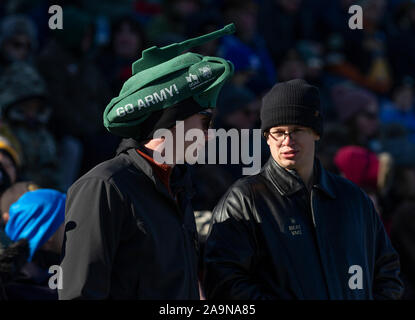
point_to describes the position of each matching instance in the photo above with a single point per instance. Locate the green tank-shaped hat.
(162, 78)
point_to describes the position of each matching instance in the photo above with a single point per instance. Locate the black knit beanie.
(292, 102)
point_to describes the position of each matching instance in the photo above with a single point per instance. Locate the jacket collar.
(180, 178)
(323, 180)
(144, 166)
(289, 182)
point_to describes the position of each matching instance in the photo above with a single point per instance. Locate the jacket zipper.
(318, 243)
(312, 211)
(187, 249)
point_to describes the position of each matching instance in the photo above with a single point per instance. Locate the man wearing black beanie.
(296, 231)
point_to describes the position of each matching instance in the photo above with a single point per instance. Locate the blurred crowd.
(55, 84)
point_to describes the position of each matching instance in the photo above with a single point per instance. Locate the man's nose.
(287, 140)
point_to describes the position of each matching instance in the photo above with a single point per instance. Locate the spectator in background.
(335, 136)
(245, 63)
(38, 217)
(238, 108)
(10, 159)
(77, 92)
(4, 180)
(18, 40)
(12, 259)
(4, 239)
(170, 25)
(201, 23)
(311, 53)
(365, 50)
(404, 184)
(365, 168)
(371, 172)
(283, 27)
(247, 49)
(11, 195)
(11, 138)
(291, 67)
(394, 139)
(24, 109)
(402, 42)
(358, 110)
(110, 9)
(403, 239)
(127, 41)
(400, 109)
(147, 9)
(329, 18)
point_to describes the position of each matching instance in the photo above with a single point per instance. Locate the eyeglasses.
(207, 120)
(295, 134)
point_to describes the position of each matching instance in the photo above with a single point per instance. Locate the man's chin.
(288, 164)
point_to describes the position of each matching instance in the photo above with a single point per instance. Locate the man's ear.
(265, 135)
(48, 245)
(5, 217)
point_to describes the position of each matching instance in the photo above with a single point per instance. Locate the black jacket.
(126, 237)
(31, 281)
(271, 239)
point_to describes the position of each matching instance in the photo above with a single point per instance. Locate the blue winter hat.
(242, 56)
(36, 216)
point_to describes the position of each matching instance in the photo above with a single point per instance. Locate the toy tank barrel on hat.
(164, 77)
(154, 55)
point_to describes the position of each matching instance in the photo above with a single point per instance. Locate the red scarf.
(162, 171)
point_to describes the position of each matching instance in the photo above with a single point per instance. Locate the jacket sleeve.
(93, 220)
(230, 252)
(386, 282)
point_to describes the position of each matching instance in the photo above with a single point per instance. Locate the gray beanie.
(18, 24)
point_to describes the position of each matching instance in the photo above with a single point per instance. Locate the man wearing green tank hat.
(129, 225)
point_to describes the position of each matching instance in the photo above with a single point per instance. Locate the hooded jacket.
(272, 239)
(126, 236)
